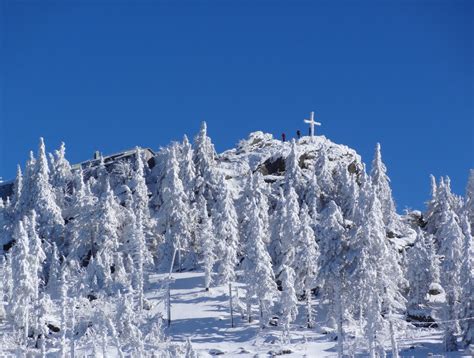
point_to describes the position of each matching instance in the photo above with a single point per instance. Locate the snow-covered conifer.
(450, 237)
(276, 230)
(260, 194)
(324, 175)
(23, 289)
(226, 232)
(418, 273)
(288, 301)
(204, 156)
(258, 274)
(377, 273)
(17, 189)
(45, 307)
(470, 198)
(41, 198)
(207, 242)
(187, 170)
(139, 190)
(467, 285)
(346, 191)
(63, 299)
(332, 275)
(37, 254)
(115, 337)
(311, 197)
(54, 274)
(125, 323)
(139, 253)
(291, 226)
(381, 183)
(173, 214)
(292, 169)
(61, 175)
(306, 254)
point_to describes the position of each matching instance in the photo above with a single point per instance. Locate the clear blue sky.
(111, 75)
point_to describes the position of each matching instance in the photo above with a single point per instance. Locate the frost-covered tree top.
(381, 183)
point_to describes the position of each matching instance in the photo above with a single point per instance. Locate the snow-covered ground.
(204, 318)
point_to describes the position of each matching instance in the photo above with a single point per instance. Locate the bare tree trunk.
(392, 336)
(339, 321)
(309, 309)
(73, 328)
(27, 318)
(231, 306)
(262, 324)
(168, 302)
(249, 314)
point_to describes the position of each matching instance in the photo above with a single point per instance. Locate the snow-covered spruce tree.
(7, 280)
(23, 289)
(261, 192)
(306, 258)
(63, 301)
(173, 213)
(435, 264)
(37, 254)
(101, 235)
(206, 240)
(136, 246)
(467, 284)
(45, 308)
(347, 191)
(187, 170)
(433, 212)
(39, 196)
(443, 199)
(377, 274)
(276, 230)
(53, 283)
(450, 237)
(419, 275)
(22, 201)
(288, 301)
(291, 226)
(115, 337)
(324, 175)
(204, 156)
(189, 351)
(37, 258)
(17, 190)
(332, 264)
(381, 183)
(293, 174)
(128, 331)
(470, 198)
(80, 213)
(226, 231)
(257, 266)
(5, 284)
(61, 175)
(139, 189)
(311, 197)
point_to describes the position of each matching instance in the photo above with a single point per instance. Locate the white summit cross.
(312, 123)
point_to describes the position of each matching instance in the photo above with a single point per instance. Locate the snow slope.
(204, 318)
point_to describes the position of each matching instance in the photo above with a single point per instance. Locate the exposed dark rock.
(274, 167)
(8, 245)
(53, 328)
(421, 320)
